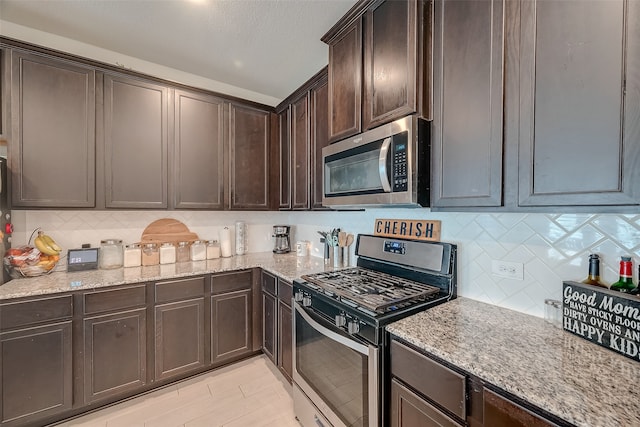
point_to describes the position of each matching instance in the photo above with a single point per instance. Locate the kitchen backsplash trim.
(552, 247)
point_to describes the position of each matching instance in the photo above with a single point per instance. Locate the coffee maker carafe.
(281, 233)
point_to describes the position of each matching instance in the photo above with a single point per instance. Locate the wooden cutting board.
(167, 230)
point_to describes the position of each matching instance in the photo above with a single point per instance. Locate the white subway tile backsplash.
(552, 247)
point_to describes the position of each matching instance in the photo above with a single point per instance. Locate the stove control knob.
(298, 296)
(341, 320)
(353, 327)
(306, 301)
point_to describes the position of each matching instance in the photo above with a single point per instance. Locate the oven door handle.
(382, 165)
(351, 343)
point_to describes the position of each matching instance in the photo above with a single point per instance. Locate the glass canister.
(111, 253)
(182, 252)
(198, 251)
(133, 255)
(150, 254)
(167, 253)
(213, 249)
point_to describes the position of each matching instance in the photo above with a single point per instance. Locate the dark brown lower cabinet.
(231, 330)
(502, 412)
(36, 373)
(410, 410)
(285, 329)
(179, 327)
(36, 360)
(115, 354)
(114, 344)
(269, 316)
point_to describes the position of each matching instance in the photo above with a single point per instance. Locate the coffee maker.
(282, 243)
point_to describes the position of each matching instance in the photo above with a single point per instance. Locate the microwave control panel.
(400, 163)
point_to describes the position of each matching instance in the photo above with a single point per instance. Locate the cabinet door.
(284, 155)
(468, 107)
(198, 172)
(501, 412)
(285, 341)
(390, 61)
(231, 331)
(115, 358)
(410, 410)
(179, 338)
(249, 165)
(269, 324)
(37, 377)
(319, 139)
(135, 143)
(345, 82)
(579, 97)
(300, 158)
(52, 156)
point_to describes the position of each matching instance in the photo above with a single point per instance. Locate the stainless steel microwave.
(385, 166)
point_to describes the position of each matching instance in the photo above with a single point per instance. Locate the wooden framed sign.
(607, 318)
(417, 229)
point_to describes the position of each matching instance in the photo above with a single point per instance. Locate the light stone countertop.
(287, 266)
(578, 381)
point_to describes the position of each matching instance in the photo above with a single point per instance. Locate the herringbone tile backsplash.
(552, 247)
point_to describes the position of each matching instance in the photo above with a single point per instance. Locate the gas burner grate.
(374, 290)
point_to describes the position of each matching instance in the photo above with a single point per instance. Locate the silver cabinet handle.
(318, 422)
(382, 165)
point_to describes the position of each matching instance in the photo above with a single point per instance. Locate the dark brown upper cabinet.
(345, 81)
(199, 141)
(53, 145)
(319, 100)
(135, 142)
(579, 117)
(379, 67)
(304, 117)
(468, 74)
(282, 152)
(249, 137)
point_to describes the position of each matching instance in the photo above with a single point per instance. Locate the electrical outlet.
(510, 270)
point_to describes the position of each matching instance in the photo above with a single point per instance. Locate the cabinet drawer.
(31, 312)
(269, 283)
(114, 299)
(285, 292)
(221, 283)
(176, 290)
(435, 381)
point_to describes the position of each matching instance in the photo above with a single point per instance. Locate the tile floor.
(251, 393)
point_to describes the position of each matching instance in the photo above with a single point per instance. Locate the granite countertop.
(287, 266)
(578, 381)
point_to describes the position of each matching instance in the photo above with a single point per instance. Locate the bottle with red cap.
(625, 283)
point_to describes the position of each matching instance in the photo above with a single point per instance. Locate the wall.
(552, 247)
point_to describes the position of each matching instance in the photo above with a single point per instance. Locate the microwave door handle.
(382, 165)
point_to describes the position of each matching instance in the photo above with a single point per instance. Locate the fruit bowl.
(27, 261)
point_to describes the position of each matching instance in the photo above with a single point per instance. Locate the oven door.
(338, 373)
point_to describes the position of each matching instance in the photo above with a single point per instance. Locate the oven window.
(336, 372)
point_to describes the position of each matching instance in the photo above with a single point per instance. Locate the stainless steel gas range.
(340, 344)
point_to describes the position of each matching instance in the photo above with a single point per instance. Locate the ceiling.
(269, 47)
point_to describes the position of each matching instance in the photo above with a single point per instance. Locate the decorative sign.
(416, 229)
(608, 318)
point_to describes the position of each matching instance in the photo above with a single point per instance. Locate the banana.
(43, 246)
(49, 241)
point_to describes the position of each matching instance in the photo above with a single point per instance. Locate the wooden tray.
(167, 230)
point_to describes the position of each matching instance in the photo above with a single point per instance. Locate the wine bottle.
(625, 283)
(594, 272)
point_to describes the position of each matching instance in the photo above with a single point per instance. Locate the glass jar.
(111, 254)
(198, 251)
(150, 254)
(213, 249)
(182, 252)
(132, 255)
(167, 253)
